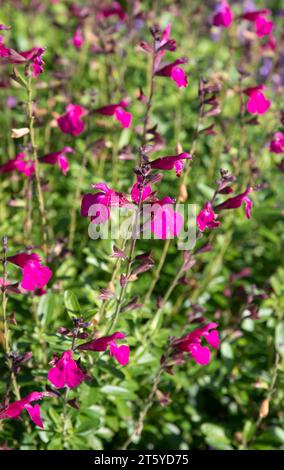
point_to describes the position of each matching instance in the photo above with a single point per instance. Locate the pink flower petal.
(135, 193)
(179, 76)
(201, 354)
(66, 372)
(206, 218)
(123, 117)
(223, 15)
(166, 223)
(120, 353)
(212, 338)
(35, 276)
(34, 412)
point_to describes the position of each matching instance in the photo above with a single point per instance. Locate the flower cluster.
(32, 56)
(191, 343)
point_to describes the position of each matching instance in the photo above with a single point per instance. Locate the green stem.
(12, 378)
(150, 98)
(36, 162)
(157, 271)
(130, 258)
(105, 303)
(139, 425)
(64, 416)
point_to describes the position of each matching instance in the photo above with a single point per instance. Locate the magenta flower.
(277, 143)
(115, 9)
(58, 158)
(237, 201)
(175, 72)
(65, 372)
(263, 27)
(257, 103)
(206, 218)
(78, 39)
(254, 14)
(33, 56)
(168, 163)
(165, 222)
(120, 353)
(166, 41)
(166, 44)
(101, 202)
(20, 163)
(14, 410)
(117, 110)
(191, 343)
(35, 276)
(136, 191)
(223, 15)
(71, 122)
(100, 212)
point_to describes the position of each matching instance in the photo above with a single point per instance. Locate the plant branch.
(36, 162)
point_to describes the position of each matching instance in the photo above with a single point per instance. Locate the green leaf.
(88, 424)
(279, 338)
(55, 444)
(249, 430)
(227, 351)
(46, 307)
(72, 304)
(116, 391)
(112, 370)
(215, 436)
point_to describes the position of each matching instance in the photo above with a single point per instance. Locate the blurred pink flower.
(34, 56)
(263, 27)
(35, 276)
(277, 143)
(257, 103)
(206, 218)
(170, 162)
(20, 163)
(11, 102)
(71, 122)
(114, 9)
(136, 191)
(120, 353)
(254, 14)
(58, 158)
(65, 372)
(101, 201)
(223, 15)
(78, 39)
(14, 409)
(166, 44)
(165, 222)
(117, 110)
(174, 72)
(191, 343)
(237, 201)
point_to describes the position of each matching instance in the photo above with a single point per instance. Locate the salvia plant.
(141, 217)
